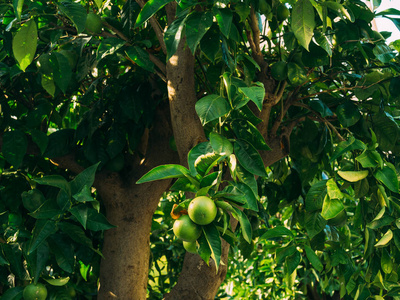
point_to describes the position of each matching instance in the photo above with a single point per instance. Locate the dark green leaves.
(211, 107)
(149, 9)
(249, 158)
(214, 242)
(197, 24)
(389, 178)
(303, 22)
(140, 57)
(14, 147)
(164, 172)
(24, 44)
(75, 12)
(348, 114)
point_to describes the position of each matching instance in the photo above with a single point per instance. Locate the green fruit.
(190, 247)
(186, 230)
(264, 7)
(279, 70)
(282, 12)
(14, 219)
(35, 292)
(93, 23)
(202, 210)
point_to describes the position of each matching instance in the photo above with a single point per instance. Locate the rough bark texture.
(126, 250)
(186, 125)
(197, 281)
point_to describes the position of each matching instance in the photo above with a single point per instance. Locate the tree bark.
(130, 207)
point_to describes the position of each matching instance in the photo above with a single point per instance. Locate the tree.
(291, 119)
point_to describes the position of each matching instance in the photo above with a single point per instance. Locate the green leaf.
(85, 195)
(63, 251)
(386, 262)
(204, 249)
(14, 293)
(277, 231)
(195, 152)
(149, 9)
(316, 195)
(353, 176)
(255, 94)
(57, 282)
(99, 3)
(313, 258)
(385, 239)
(205, 162)
(140, 57)
(370, 159)
(173, 35)
(251, 198)
(96, 221)
(15, 144)
(56, 181)
(292, 262)
(224, 18)
(32, 199)
(244, 223)
(41, 256)
(247, 178)
(245, 130)
(75, 12)
(84, 179)
(164, 172)
(323, 41)
(339, 9)
(25, 43)
(303, 22)
(48, 210)
(314, 223)
(211, 107)
(296, 74)
(331, 208)
(347, 114)
(389, 178)
(283, 252)
(42, 230)
(249, 158)
(109, 46)
(18, 4)
(40, 138)
(80, 212)
(75, 233)
(211, 234)
(221, 144)
(62, 72)
(333, 190)
(346, 146)
(384, 53)
(197, 24)
(386, 130)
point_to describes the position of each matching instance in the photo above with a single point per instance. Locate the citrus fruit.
(264, 7)
(279, 70)
(35, 292)
(202, 210)
(190, 246)
(282, 12)
(14, 219)
(93, 23)
(186, 230)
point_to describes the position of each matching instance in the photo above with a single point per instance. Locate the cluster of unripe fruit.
(201, 211)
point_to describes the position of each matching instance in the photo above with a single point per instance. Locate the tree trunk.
(130, 207)
(126, 250)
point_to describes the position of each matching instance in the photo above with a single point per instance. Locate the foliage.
(329, 210)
